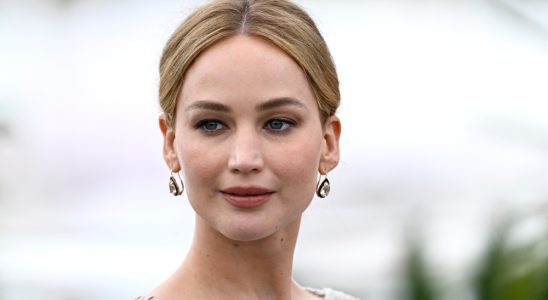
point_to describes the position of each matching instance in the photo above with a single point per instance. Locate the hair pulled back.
(279, 22)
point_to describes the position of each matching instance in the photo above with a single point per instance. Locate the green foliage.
(420, 285)
(509, 273)
(487, 280)
(505, 271)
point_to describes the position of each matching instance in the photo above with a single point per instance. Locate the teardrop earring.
(323, 187)
(174, 188)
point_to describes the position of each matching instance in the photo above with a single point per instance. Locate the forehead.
(244, 68)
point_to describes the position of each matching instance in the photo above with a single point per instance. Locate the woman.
(249, 93)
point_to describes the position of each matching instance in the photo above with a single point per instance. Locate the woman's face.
(248, 138)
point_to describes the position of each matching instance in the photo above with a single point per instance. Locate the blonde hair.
(280, 22)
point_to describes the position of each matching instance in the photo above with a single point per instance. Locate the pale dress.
(326, 293)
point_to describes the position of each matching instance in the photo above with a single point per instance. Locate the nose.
(246, 155)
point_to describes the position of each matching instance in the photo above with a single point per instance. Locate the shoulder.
(330, 294)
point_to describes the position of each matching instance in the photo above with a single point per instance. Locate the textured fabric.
(328, 294)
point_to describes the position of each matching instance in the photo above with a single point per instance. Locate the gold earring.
(174, 188)
(323, 187)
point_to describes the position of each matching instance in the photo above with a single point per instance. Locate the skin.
(246, 116)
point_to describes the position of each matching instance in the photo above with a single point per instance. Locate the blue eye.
(279, 124)
(210, 125)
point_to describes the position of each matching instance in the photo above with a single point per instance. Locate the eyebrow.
(278, 102)
(208, 105)
(268, 105)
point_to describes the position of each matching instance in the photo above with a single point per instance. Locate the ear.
(170, 156)
(330, 152)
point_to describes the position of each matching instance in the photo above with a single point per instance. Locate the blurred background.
(445, 134)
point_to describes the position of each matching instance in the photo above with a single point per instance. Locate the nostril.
(244, 170)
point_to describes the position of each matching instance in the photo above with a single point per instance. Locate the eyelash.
(288, 123)
(201, 125)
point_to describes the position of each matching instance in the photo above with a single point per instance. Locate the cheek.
(198, 163)
(298, 162)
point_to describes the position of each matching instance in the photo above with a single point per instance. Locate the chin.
(248, 230)
(243, 233)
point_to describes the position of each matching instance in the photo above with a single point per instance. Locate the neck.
(238, 270)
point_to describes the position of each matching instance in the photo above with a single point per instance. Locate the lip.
(246, 196)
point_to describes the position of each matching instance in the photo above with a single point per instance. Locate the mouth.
(246, 197)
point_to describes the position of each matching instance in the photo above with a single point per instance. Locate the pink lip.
(246, 197)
